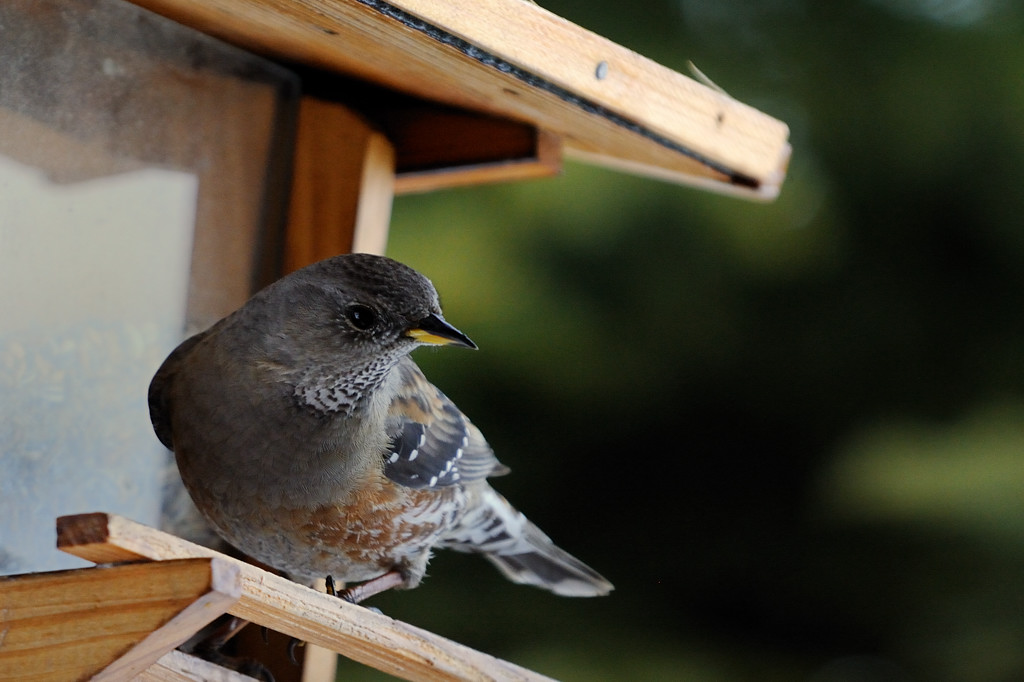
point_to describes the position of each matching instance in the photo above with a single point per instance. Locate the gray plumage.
(311, 441)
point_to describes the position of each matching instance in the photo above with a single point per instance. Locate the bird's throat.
(341, 393)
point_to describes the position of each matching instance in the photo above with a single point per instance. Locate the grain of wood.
(176, 666)
(223, 590)
(543, 159)
(342, 185)
(517, 60)
(371, 638)
(72, 624)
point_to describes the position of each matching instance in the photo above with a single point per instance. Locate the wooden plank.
(517, 60)
(82, 531)
(267, 599)
(430, 138)
(603, 74)
(439, 146)
(342, 185)
(223, 588)
(376, 194)
(176, 666)
(318, 664)
(442, 150)
(118, 619)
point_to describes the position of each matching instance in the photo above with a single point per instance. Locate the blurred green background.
(791, 434)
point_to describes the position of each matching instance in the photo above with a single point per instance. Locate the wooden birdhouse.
(162, 159)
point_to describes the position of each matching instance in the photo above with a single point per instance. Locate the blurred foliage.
(791, 433)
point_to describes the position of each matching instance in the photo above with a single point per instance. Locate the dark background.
(791, 434)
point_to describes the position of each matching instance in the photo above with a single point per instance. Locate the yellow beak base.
(436, 331)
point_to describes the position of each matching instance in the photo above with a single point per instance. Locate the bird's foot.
(357, 593)
(352, 595)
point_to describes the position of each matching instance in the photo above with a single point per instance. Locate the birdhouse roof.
(515, 60)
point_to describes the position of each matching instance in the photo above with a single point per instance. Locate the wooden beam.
(107, 623)
(267, 599)
(342, 185)
(176, 666)
(441, 147)
(516, 60)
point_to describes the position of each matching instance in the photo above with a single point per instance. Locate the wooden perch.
(266, 599)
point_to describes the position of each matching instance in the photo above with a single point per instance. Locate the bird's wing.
(432, 442)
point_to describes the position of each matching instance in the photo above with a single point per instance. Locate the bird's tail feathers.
(535, 560)
(521, 550)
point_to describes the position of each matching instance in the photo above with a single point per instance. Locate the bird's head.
(353, 317)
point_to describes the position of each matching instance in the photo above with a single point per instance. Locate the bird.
(311, 441)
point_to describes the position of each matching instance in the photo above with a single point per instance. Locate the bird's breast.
(382, 524)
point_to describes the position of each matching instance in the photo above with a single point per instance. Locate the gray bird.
(310, 440)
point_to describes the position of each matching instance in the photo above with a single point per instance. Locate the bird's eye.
(361, 317)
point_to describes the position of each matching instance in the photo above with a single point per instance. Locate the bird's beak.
(434, 330)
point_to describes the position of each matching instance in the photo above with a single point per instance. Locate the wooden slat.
(267, 599)
(603, 74)
(439, 146)
(430, 139)
(175, 666)
(483, 150)
(516, 60)
(318, 664)
(223, 589)
(68, 625)
(342, 185)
